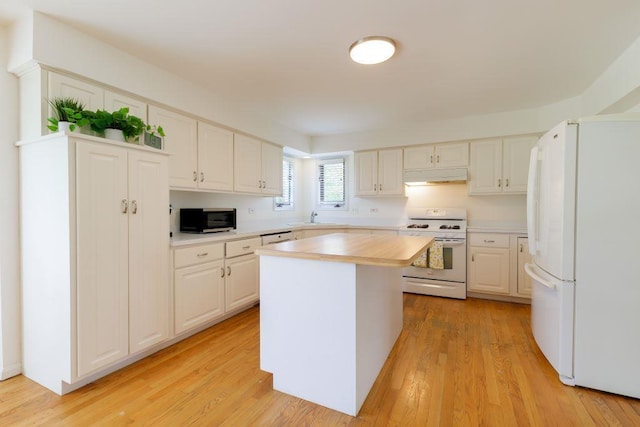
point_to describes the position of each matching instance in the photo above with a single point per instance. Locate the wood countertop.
(386, 251)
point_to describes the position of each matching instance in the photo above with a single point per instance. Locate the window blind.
(286, 200)
(331, 177)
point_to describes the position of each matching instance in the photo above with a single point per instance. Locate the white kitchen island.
(330, 313)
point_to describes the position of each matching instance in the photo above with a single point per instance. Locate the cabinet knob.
(124, 206)
(134, 207)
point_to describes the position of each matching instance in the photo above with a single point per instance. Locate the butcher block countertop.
(365, 249)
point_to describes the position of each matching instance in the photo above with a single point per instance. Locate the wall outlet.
(373, 210)
(251, 211)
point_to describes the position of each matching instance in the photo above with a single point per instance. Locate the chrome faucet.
(314, 214)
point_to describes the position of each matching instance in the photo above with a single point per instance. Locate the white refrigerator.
(583, 220)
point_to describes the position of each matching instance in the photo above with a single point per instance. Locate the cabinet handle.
(473, 258)
(221, 271)
(379, 187)
(431, 159)
(506, 182)
(246, 247)
(195, 176)
(438, 158)
(499, 183)
(134, 207)
(228, 270)
(200, 255)
(259, 183)
(489, 241)
(201, 176)
(521, 247)
(375, 187)
(264, 184)
(124, 206)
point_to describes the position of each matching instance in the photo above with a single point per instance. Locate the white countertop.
(497, 227)
(259, 228)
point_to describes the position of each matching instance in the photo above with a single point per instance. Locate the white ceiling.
(288, 59)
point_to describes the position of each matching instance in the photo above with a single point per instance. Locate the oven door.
(454, 254)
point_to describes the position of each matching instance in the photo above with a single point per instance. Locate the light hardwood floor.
(456, 363)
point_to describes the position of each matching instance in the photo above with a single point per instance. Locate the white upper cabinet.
(257, 166)
(379, 173)
(436, 156)
(114, 101)
(500, 166)
(92, 96)
(272, 169)
(181, 141)
(215, 158)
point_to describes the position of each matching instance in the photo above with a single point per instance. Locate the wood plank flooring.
(456, 363)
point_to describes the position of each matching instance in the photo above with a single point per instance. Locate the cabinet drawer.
(492, 240)
(243, 247)
(198, 254)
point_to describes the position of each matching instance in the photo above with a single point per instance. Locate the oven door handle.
(451, 242)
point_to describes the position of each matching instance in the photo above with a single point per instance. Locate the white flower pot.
(115, 134)
(65, 127)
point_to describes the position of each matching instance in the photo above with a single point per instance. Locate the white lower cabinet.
(488, 263)
(208, 285)
(242, 286)
(495, 265)
(198, 285)
(95, 282)
(523, 256)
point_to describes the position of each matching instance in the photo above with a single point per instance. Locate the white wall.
(9, 247)
(42, 39)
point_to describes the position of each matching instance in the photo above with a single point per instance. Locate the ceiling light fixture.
(372, 50)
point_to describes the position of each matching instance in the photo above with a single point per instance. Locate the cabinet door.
(485, 167)
(366, 173)
(390, 180)
(102, 254)
(489, 270)
(418, 157)
(241, 286)
(66, 87)
(114, 101)
(181, 142)
(524, 281)
(148, 249)
(451, 155)
(271, 169)
(215, 158)
(516, 164)
(199, 294)
(247, 164)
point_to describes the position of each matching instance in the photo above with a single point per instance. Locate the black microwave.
(207, 220)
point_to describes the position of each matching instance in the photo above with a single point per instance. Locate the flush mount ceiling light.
(372, 50)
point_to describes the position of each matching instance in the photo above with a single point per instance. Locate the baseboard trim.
(10, 371)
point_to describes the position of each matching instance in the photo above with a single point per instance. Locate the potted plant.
(69, 114)
(153, 135)
(118, 125)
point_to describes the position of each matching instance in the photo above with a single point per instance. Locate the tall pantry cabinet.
(95, 255)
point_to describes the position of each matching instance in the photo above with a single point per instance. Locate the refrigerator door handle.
(529, 269)
(532, 202)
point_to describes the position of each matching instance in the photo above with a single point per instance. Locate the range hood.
(426, 176)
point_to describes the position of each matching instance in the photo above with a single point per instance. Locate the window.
(285, 202)
(331, 183)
